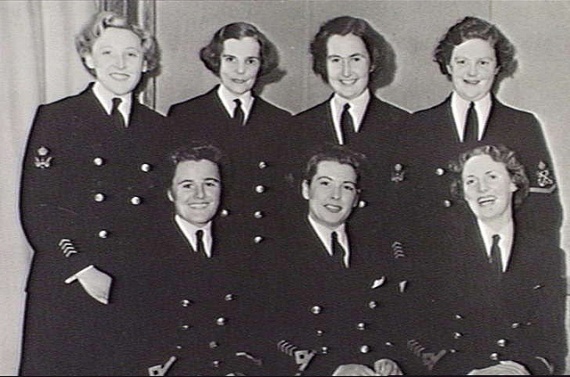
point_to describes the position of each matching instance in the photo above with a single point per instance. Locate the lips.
(240, 81)
(486, 200)
(471, 82)
(199, 205)
(120, 76)
(333, 208)
(348, 82)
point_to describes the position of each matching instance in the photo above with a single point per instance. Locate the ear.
(372, 68)
(449, 70)
(144, 67)
(89, 61)
(356, 199)
(169, 194)
(513, 187)
(305, 189)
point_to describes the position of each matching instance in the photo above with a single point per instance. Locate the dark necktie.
(118, 119)
(337, 249)
(239, 116)
(200, 242)
(495, 259)
(346, 125)
(471, 125)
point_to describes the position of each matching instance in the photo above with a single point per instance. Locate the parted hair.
(85, 40)
(211, 54)
(476, 28)
(374, 42)
(498, 153)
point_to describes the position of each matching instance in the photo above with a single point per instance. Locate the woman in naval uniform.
(87, 175)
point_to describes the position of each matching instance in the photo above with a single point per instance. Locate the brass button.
(221, 321)
(184, 327)
(260, 189)
(103, 234)
(324, 350)
(457, 335)
(316, 309)
(502, 342)
(185, 303)
(224, 213)
(98, 161)
(320, 332)
(258, 214)
(361, 326)
(439, 171)
(362, 204)
(364, 349)
(447, 203)
(372, 304)
(262, 164)
(136, 200)
(99, 197)
(146, 168)
(494, 356)
(229, 297)
(257, 239)
(213, 345)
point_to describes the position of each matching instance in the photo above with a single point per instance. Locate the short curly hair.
(193, 151)
(336, 153)
(498, 153)
(85, 40)
(374, 42)
(211, 54)
(476, 28)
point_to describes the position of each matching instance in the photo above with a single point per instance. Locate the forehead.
(336, 171)
(345, 45)
(117, 37)
(476, 47)
(246, 46)
(479, 165)
(196, 170)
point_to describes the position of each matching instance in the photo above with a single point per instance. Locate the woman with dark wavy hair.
(250, 131)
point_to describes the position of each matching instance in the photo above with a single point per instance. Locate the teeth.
(198, 205)
(486, 201)
(333, 208)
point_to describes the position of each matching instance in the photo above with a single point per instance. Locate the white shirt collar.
(505, 243)
(325, 233)
(459, 107)
(357, 111)
(189, 231)
(228, 98)
(105, 97)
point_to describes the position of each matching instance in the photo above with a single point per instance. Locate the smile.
(199, 205)
(348, 82)
(240, 81)
(333, 208)
(471, 82)
(120, 76)
(486, 201)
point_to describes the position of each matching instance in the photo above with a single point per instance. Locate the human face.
(195, 191)
(118, 60)
(240, 64)
(488, 189)
(473, 67)
(348, 65)
(332, 193)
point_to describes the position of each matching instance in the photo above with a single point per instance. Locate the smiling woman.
(100, 141)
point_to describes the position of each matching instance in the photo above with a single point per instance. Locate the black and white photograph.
(284, 187)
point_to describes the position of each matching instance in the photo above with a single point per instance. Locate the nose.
(200, 192)
(120, 63)
(472, 69)
(346, 69)
(483, 186)
(240, 67)
(336, 193)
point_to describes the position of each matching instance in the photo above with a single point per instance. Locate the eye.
(469, 182)
(212, 184)
(229, 59)
(493, 176)
(356, 59)
(349, 187)
(460, 61)
(133, 54)
(188, 186)
(324, 183)
(106, 52)
(252, 61)
(335, 60)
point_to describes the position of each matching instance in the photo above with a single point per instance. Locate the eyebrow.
(350, 56)
(193, 180)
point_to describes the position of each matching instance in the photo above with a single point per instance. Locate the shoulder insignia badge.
(544, 180)
(429, 359)
(67, 247)
(398, 173)
(42, 160)
(398, 250)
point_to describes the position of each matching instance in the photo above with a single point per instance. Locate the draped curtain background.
(38, 64)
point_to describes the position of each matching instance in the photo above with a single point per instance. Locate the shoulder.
(201, 102)
(270, 108)
(381, 106)
(315, 111)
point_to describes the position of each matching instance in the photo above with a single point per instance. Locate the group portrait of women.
(230, 236)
